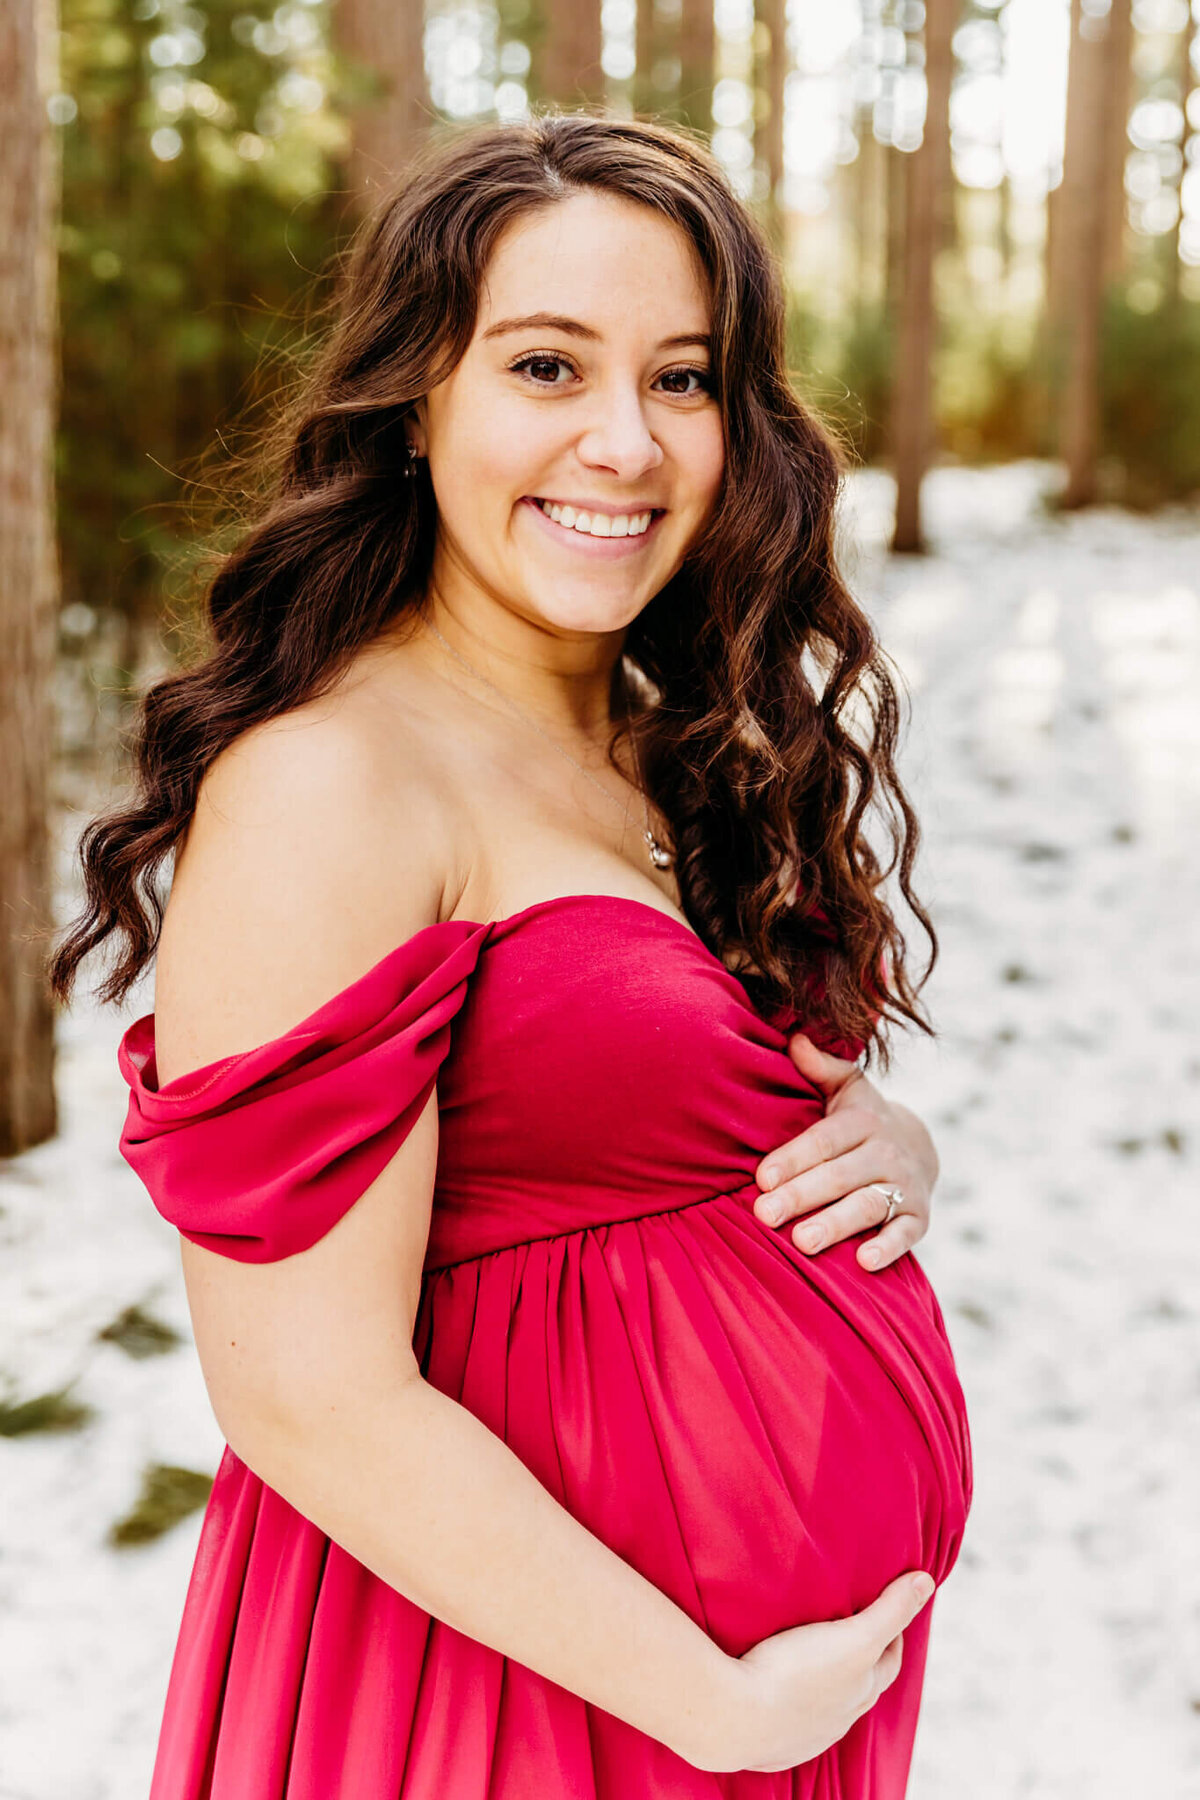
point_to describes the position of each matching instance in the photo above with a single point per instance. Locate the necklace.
(660, 857)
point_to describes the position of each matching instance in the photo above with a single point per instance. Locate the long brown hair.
(766, 714)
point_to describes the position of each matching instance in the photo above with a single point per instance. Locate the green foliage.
(1151, 399)
(866, 369)
(200, 210)
(168, 1495)
(996, 384)
(139, 1334)
(45, 1412)
(986, 391)
(195, 180)
(842, 368)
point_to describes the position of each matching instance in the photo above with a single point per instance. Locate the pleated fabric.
(769, 1438)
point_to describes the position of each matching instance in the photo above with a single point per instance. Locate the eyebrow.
(545, 321)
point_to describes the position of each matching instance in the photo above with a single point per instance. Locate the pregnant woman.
(517, 814)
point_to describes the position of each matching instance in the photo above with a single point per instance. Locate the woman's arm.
(310, 1368)
(300, 871)
(309, 1359)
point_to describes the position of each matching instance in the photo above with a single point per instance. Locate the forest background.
(988, 212)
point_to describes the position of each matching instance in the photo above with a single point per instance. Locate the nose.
(618, 439)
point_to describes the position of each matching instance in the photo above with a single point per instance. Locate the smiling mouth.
(599, 525)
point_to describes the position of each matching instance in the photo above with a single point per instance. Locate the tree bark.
(895, 203)
(1116, 136)
(1004, 224)
(1081, 241)
(869, 213)
(697, 62)
(569, 69)
(383, 45)
(1078, 150)
(773, 14)
(928, 179)
(647, 48)
(28, 570)
(1189, 38)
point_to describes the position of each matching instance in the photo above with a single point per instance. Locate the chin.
(599, 617)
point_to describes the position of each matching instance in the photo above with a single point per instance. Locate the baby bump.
(769, 1438)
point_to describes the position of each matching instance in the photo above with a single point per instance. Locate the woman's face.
(584, 386)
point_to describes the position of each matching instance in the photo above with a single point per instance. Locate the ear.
(415, 427)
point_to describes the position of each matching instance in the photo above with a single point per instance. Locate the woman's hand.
(827, 1169)
(793, 1695)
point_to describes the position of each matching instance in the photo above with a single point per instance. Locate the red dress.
(769, 1438)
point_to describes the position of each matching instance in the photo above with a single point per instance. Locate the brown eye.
(539, 360)
(702, 376)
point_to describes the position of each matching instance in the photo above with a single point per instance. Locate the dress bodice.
(604, 1065)
(595, 1061)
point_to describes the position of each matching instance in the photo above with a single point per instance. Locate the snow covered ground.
(1054, 756)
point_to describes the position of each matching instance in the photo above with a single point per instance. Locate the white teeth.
(597, 524)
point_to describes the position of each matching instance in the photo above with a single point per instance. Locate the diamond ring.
(892, 1195)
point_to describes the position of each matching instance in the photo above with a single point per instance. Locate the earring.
(411, 460)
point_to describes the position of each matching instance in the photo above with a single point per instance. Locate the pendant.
(662, 859)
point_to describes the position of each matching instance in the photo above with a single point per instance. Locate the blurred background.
(988, 215)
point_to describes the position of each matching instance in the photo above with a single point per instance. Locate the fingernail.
(769, 1175)
(810, 1239)
(924, 1586)
(770, 1215)
(871, 1258)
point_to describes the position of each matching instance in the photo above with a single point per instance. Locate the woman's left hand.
(824, 1172)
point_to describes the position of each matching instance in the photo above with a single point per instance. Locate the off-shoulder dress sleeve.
(259, 1154)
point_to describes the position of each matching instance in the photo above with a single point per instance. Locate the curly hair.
(765, 710)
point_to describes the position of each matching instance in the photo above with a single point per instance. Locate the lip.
(582, 543)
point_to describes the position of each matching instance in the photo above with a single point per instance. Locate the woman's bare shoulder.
(321, 838)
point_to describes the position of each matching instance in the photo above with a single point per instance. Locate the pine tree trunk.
(647, 49)
(1083, 160)
(1004, 223)
(697, 61)
(868, 214)
(1116, 137)
(773, 14)
(1189, 39)
(28, 570)
(895, 205)
(870, 185)
(1081, 240)
(928, 180)
(569, 70)
(383, 45)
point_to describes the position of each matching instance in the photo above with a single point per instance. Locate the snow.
(1053, 754)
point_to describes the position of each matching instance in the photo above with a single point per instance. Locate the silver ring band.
(892, 1195)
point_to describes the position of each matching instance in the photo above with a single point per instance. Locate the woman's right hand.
(792, 1695)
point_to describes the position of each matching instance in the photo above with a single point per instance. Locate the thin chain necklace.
(660, 857)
